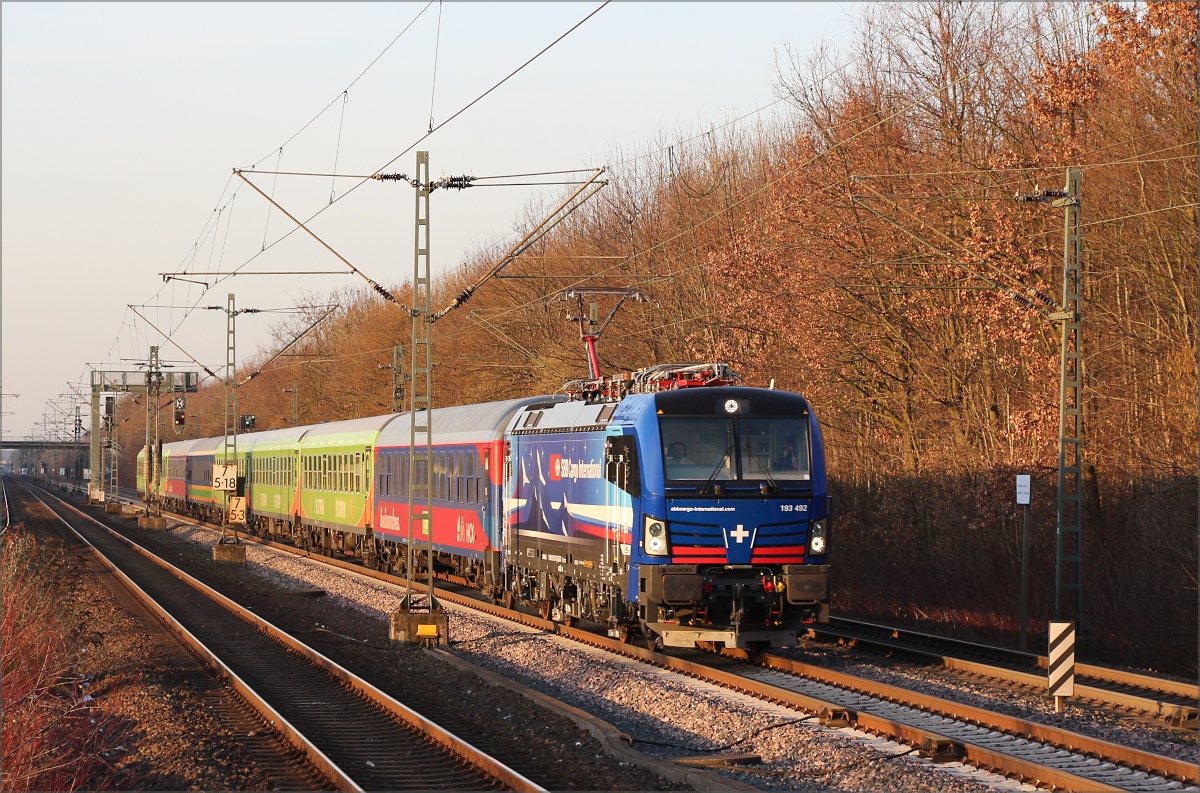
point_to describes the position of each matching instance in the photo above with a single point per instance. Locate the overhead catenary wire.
(379, 171)
(338, 149)
(494, 328)
(437, 46)
(274, 181)
(825, 152)
(462, 110)
(379, 288)
(361, 74)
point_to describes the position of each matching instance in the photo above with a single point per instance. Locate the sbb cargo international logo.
(566, 468)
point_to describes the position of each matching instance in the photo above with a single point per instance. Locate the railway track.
(1172, 701)
(357, 736)
(1046, 755)
(285, 768)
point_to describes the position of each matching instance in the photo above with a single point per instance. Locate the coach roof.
(465, 423)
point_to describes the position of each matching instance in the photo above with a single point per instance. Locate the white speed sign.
(224, 477)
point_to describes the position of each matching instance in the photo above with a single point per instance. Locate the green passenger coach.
(335, 466)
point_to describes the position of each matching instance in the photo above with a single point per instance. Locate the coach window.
(460, 468)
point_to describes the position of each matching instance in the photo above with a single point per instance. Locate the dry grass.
(53, 737)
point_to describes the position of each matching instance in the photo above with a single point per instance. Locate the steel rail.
(976, 753)
(1174, 712)
(434, 732)
(293, 736)
(1150, 682)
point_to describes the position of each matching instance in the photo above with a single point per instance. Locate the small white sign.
(1022, 488)
(224, 477)
(237, 510)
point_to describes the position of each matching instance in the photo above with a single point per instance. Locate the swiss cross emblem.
(739, 534)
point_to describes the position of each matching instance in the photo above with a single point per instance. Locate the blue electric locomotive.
(687, 507)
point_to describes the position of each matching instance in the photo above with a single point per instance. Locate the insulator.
(457, 182)
(385, 294)
(392, 177)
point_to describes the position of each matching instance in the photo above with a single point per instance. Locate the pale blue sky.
(121, 123)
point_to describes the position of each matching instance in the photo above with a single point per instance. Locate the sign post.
(1023, 493)
(225, 482)
(1060, 669)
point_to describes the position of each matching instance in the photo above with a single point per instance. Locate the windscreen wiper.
(766, 473)
(709, 482)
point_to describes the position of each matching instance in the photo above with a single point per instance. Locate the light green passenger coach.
(335, 465)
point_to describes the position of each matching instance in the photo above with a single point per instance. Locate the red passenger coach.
(467, 479)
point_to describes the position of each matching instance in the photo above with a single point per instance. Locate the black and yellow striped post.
(1060, 668)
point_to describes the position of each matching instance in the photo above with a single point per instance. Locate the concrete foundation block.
(229, 553)
(431, 628)
(152, 522)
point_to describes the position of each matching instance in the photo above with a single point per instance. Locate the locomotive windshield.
(715, 449)
(698, 448)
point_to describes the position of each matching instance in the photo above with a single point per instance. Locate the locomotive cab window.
(777, 448)
(698, 448)
(743, 448)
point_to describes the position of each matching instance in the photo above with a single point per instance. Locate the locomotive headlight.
(654, 539)
(818, 536)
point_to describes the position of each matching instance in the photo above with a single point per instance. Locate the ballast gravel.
(669, 716)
